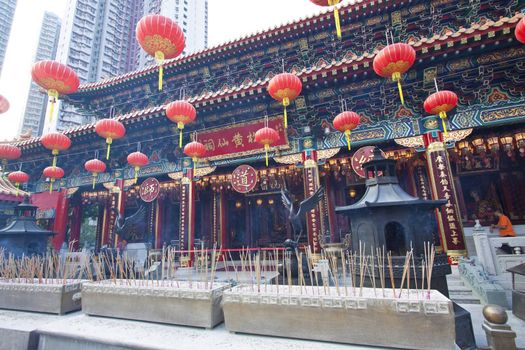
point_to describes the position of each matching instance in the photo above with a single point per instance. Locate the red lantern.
(346, 122)
(285, 87)
(440, 103)
(394, 60)
(137, 160)
(95, 167)
(56, 78)
(336, 12)
(9, 152)
(195, 150)
(110, 129)
(161, 38)
(4, 104)
(55, 142)
(267, 137)
(53, 173)
(182, 113)
(18, 178)
(520, 31)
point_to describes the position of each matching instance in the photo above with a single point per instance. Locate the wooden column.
(187, 209)
(224, 241)
(442, 186)
(159, 213)
(61, 219)
(329, 202)
(119, 203)
(311, 184)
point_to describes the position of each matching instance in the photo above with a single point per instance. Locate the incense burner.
(47, 296)
(419, 320)
(195, 304)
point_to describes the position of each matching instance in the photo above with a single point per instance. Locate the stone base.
(49, 297)
(312, 314)
(188, 304)
(518, 304)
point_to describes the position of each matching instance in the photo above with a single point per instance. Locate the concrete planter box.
(369, 320)
(54, 297)
(195, 306)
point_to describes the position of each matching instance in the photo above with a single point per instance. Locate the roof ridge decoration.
(303, 74)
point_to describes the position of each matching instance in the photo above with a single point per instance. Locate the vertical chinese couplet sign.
(311, 184)
(443, 188)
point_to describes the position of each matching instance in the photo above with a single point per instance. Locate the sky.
(228, 19)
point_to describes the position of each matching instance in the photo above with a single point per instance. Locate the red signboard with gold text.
(239, 140)
(244, 178)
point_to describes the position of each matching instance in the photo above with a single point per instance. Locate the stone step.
(464, 299)
(459, 288)
(461, 293)
(453, 284)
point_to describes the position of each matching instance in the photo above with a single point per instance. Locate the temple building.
(478, 167)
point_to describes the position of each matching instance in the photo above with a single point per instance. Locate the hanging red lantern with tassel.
(285, 88)
(137, 160)
(182, 113)
(333, 3)
(4, 104)
(18, 178)
(56, 78)
(196, 151)
(520, 31)
(110, 129)
(55, 142)
(393, 61)
(440, 103)
(53, 173)
(346, 122)
(95, 167)
(161, 38)
(267, 137)
(9, 152)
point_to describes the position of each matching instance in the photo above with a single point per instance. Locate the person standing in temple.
(504, 225)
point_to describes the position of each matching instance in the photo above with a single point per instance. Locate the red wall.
(59, 202)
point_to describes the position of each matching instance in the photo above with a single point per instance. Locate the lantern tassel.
(53, 95)
(443, 116)
(159, 57)
(194, 165)
(55, 154)
(347, 134)
(17, 188)
(94, 179)
(136, 174)
(266, 149)
(180, 125)
(396, 76)
(51, 186)
(337, 23)
(109, 141)
(286, 103)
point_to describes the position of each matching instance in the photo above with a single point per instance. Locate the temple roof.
(345, 65)
(24, 223)
(9, 192)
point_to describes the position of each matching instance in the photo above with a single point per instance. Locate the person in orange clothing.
(504, 225)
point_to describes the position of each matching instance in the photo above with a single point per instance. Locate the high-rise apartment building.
(34, 116)
(7, 13)
(190, 15)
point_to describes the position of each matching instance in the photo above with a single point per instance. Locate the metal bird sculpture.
(296, 217)
(135, 222)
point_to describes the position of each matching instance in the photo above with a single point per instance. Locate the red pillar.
(120, 204)
(224, 242)
(159, 212)
(442, 186)
(75, 224)
(311, 184)
(330, 201)
(61, 219)
(187, 210)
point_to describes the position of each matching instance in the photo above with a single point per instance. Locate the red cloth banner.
(240, 139)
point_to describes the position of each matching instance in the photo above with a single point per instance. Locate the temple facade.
(464, 46)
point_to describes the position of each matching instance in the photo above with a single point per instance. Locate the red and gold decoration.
(161, 38)
(110, 129)
(266, 137)
(4, 104)
(346, 122)
(440, 103)
(56, 142)
(284, 88)
(182, 113)
(149, 190)
(394, 60)
(9, 152)
(360, 157)
(137, 160)
(333, 3)
(195, 150)
(55, 77)
(244, 178)
(18, 178)
(95, 167)
(520, 31)
(53, 173)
